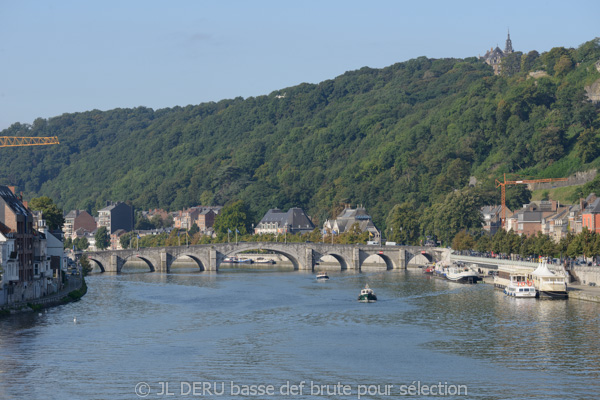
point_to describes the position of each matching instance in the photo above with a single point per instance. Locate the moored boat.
(520, 286)
(262, 260)
(367, 295)
(462, 274)
(548, 284)
(429, 269)
(237, 260)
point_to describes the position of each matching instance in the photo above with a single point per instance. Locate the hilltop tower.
(494, 56)
(508, 47)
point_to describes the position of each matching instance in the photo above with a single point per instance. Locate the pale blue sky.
(69, 56)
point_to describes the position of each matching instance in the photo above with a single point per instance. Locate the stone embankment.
(583, 292)
(74, 289)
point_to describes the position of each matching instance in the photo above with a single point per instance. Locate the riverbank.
(584, 292)
(74, 290)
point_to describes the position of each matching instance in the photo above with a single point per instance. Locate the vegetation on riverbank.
(585, 244)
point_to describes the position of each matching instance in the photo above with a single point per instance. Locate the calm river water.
(242, 327)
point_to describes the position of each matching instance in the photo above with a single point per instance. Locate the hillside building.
(17, 219)
(8, 257)
(492, 218)
(590, 216)
(348, 218)
(203, 217)
(116, 216)
(494, 56)
(276, 222)
(76, 220)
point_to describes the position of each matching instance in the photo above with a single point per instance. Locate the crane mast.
(519, 182)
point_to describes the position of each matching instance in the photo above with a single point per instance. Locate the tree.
(86, 266)
(528, 61)
(563, 66)
(157, 221)
(193, 229)
(459, 211)
(463, 241)
(126, 239)
(588, 145)
(549, 145)
(516, 196)
(144, 224)
(511, 64)
(589, 51)
(50, 211)
(551, 58)
(235, 215)
(403, 223)
(81, 243)
(352, 235)
(102, 238)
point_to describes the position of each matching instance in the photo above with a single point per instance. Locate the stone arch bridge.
(303, 256)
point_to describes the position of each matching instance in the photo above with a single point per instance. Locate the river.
(167, 335)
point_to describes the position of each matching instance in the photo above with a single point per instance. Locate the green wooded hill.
(409, 133)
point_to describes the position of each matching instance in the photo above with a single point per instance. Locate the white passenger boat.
(520, 286)
(548, 284)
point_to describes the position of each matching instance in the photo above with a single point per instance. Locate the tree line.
(413, 133)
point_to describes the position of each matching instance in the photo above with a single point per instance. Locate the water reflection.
(270, 325)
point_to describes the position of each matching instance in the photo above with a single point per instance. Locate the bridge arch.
(389, 263)
(419, 258)
(197, 260)
(338, 257)
(293, 259)
(98, 263)
(137, 257)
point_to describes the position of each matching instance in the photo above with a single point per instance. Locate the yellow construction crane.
(519, 182)
(14, 141)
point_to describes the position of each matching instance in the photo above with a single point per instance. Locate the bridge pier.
(309, 261)
(212, 260)
(166, 259)
(355, 263)
(402, 259)
(115, 264)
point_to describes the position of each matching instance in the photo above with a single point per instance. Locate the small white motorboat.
(322, 276)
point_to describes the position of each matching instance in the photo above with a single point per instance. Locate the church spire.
(508, 48)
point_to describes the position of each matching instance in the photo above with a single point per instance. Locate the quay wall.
(586, 275)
